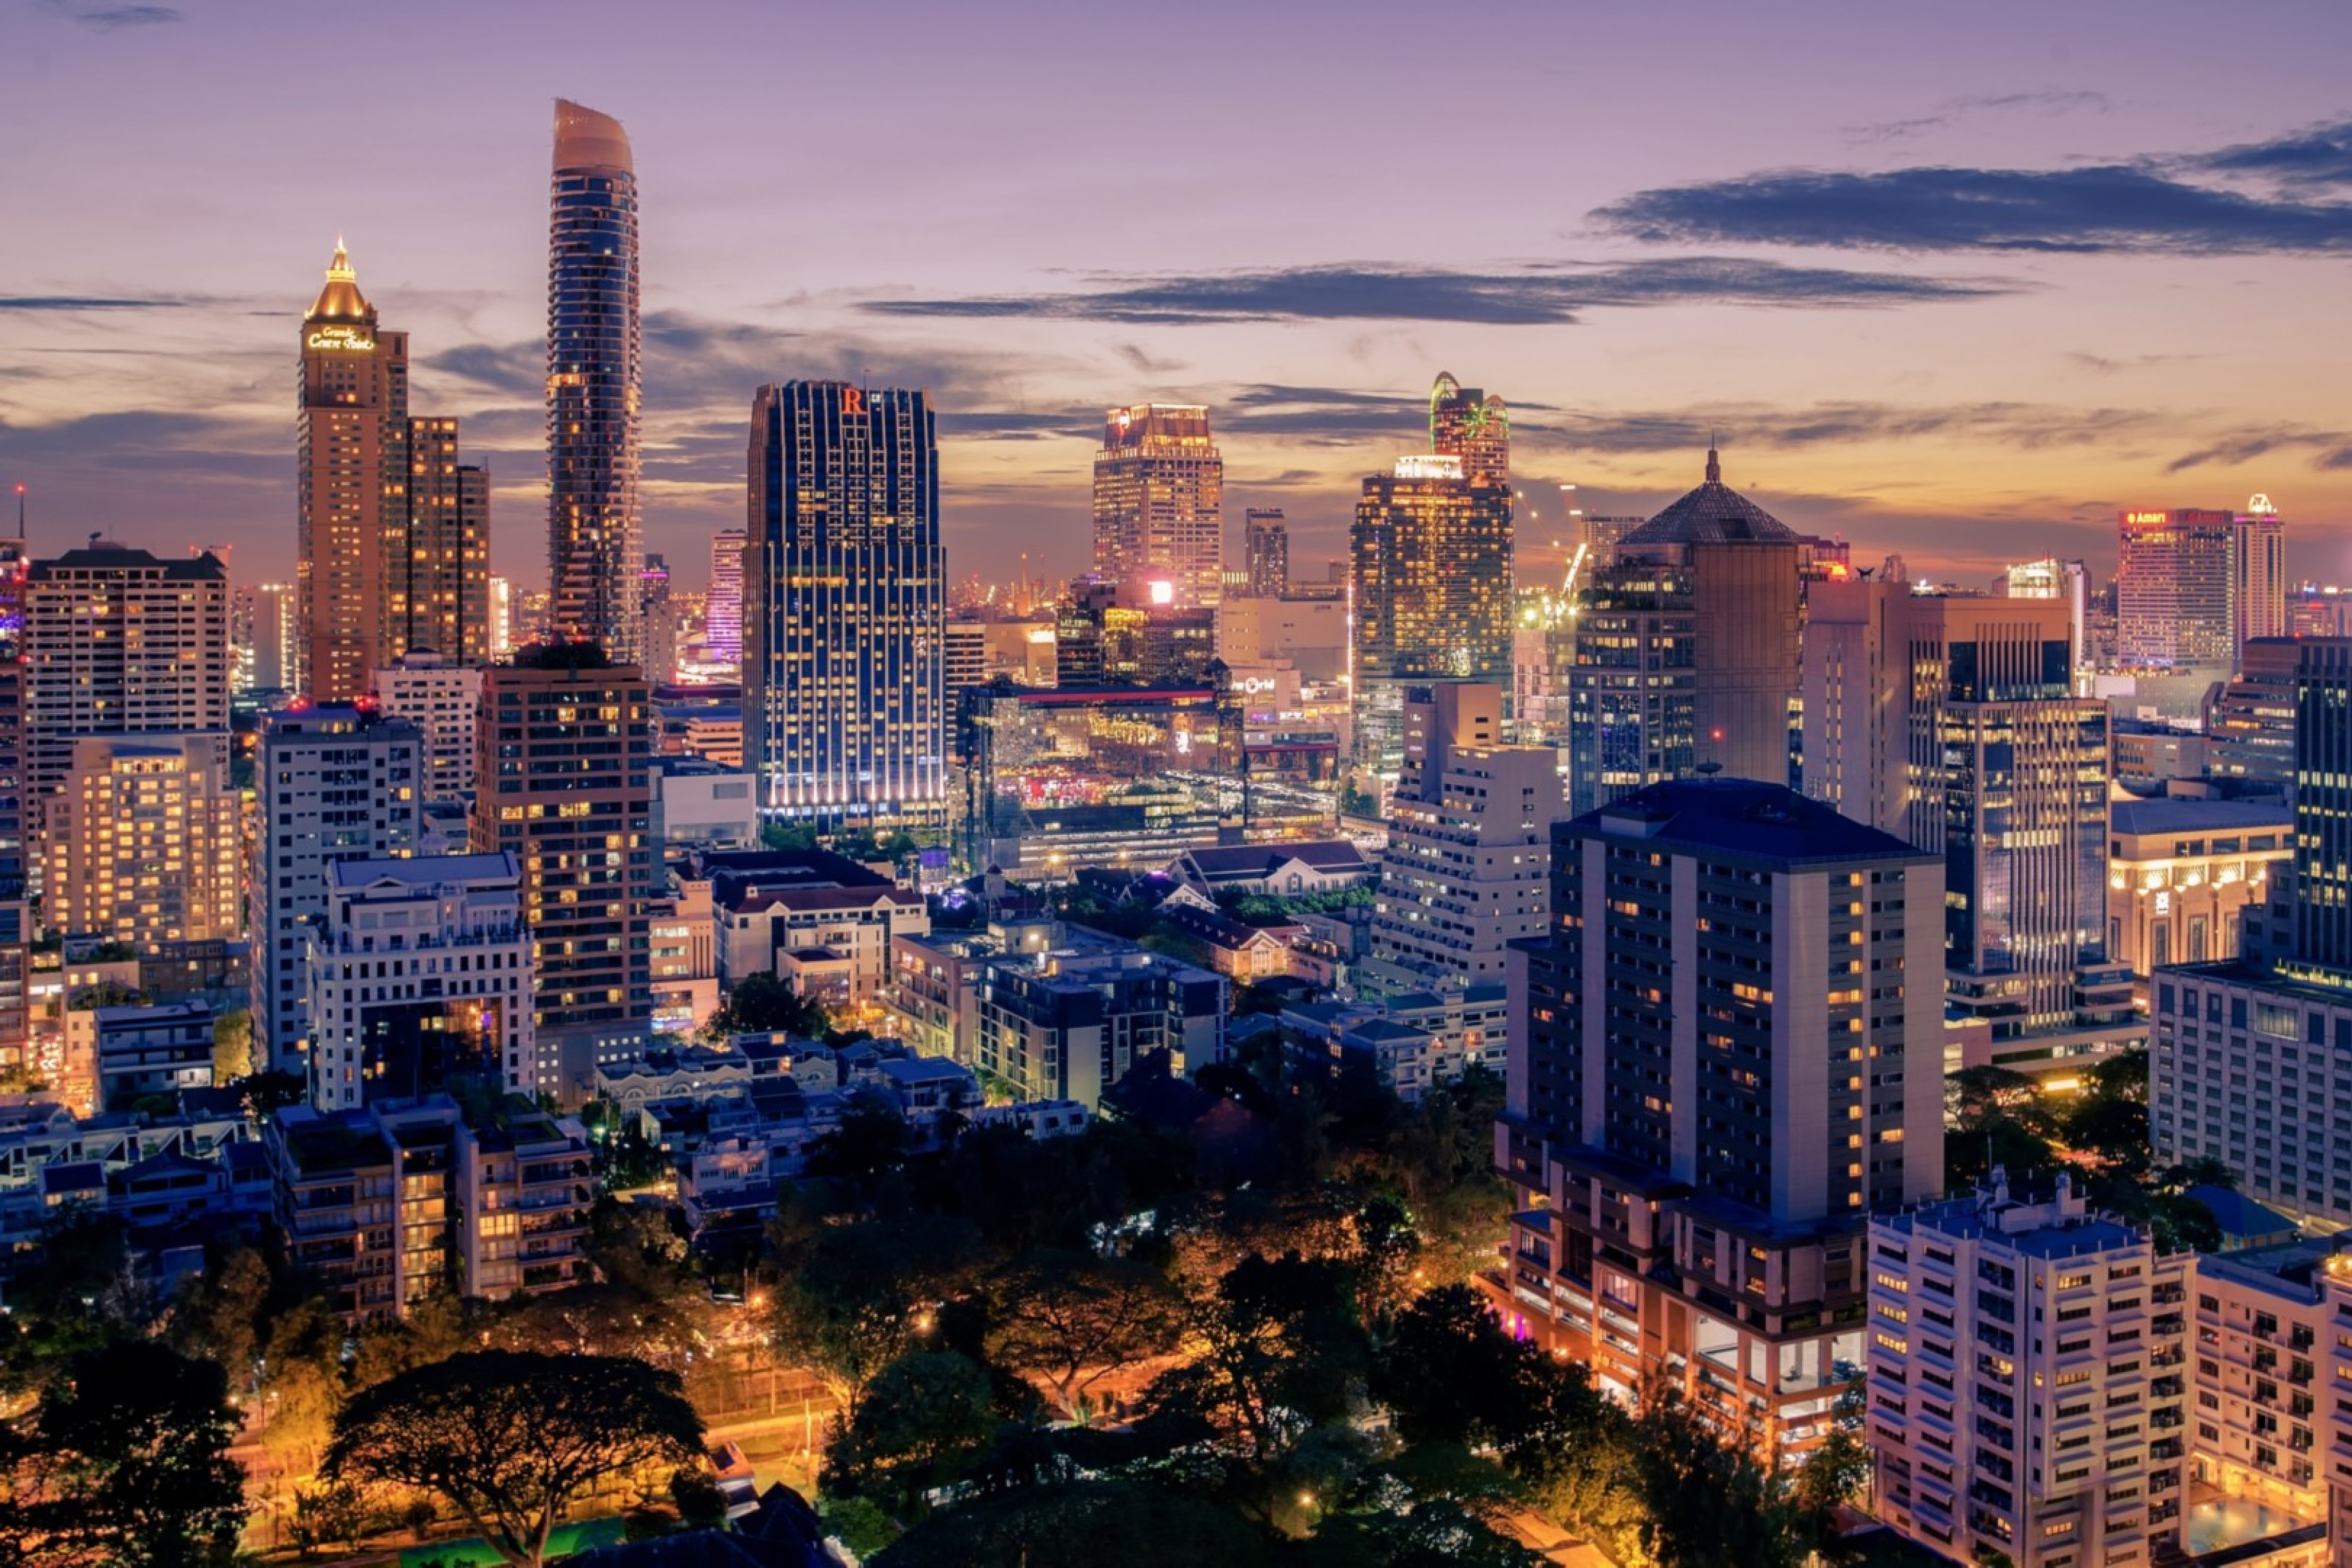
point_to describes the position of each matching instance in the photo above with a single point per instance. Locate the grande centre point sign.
(349, 339)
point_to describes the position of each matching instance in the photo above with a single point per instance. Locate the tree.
(232, 1046)
(762, 1004)
(303, 1382)
(1451, 1374)
(1277, 1346)
(855, 1298)
(126, 1461)
(700, 1504)
(1712, 1501)
(509, 1437)
(1065, 1319)
(870, 1143)
(922, 1418)
(1083, 1524)
(219, 1313)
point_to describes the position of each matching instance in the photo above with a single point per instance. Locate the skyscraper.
(1160, 492)
(722, 613)
(1714, 1082)
(2174, 576)
(563, 759)
(660, 622)
(1268, 543)
(1464, 423)
(2258, 580)
(845, 607)
(439, 584)
(1688, 649)
(352, 482)
(593, 384)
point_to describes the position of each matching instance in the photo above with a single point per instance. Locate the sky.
(1955, 283)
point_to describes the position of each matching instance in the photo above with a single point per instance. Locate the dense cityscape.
(1625, 1039)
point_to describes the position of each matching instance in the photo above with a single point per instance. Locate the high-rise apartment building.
(2029, 1375)
(1686, 648)
(563, 751)
(441, 698)
(1430, 558)
(845, 703)
(1268, 553)
(334, 782)
(595, 384)
(276, 645)
(2250, 717)
(438, 555)
(144, 840)
(502, 642)
(722, 611)
(118, 642)
(393, 1019)
(14, 811)
(1466, 423)
(1717, 1071)
(2174, 576)
(1160, 496)
(1467, 869)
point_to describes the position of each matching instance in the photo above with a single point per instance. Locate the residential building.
(1469, 854)
(685, 960)
(415, 970)
(845, 609)
(1267, 550)
(143, 1051)
(118, 642)
(2029, 1377)
(443, 697)
(771, 903)
(1409, 1042)
(1686, 648)
(698, 804)
(1468, 424)
(2182, 871)
(722, 611)
(563, 753)
(1068, 1024)
(595, 385)
(2174, 581)
(351, 484)
(437, 554)
(1295, 869)
(1697, 1171)
(277, 638)
(1159, 501)
(2265, 1428)
(145, 841)
(2258, 579)
(660, 619)
(334, 782)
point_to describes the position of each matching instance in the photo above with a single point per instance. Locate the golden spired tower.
(352, 480)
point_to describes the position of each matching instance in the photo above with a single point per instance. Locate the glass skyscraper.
(593, 384)
(845, 608)
(1160, 496)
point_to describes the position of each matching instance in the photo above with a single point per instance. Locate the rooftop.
(1745, 818)
(1714, 513)
(2177, 816)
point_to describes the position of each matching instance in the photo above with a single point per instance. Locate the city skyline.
(1874, 370)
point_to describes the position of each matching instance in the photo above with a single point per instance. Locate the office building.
(16, 810)
(334, 782)
(1466, 423)
(144, 842)
(2174, 581)
(1686, 648)
(118, 642)
(2258, 579)
(845, 608)
(1268, 553)
(2181, 872)
(2067, 581)
(502, 642)
(418, 969)
(722, 611)
(1431, 570)
(1158, 507)
(2250, 717)
(1468, 868)
(441, 698)
(1703, 1168)
(562, 753)
(595, 384)
(351, 482)
(2029, 1374)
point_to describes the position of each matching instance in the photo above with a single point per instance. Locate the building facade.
(443, 698)
(2174, 577)
(334, 783)
(1267, 543)
(562, 753)
(595, 384)
(2182, 873)
(144, 842)
(844, 582)
(352, 481)
(1158, 503)
(722, 609)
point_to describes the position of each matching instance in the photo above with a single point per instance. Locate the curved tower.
(595, 551)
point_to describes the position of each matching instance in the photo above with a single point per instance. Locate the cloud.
(1533, 295)
(2113, 207)
(2050, 102)
(2318, 155)
(85, 302)
(108, 18)
(2010, 425)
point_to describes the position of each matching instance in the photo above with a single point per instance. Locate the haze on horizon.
(1959, 285)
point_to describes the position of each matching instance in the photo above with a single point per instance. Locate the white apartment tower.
(421, 967)
(2029, 1374)
(441, 698)
(1469, 854)
(335, 784)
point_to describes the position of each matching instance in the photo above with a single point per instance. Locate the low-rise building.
(1285, 871)
(1068, 1024)
(702, 804)
(685, 1072)
(771, 902)
(142, 1051)
(1409, 1043)
(2180, 872)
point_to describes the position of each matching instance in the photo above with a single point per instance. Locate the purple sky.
(1955, 282)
